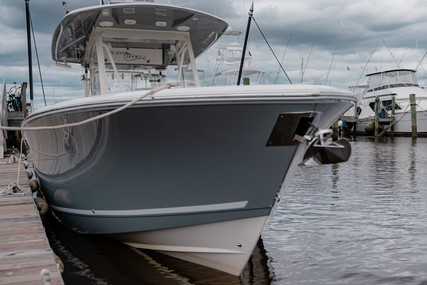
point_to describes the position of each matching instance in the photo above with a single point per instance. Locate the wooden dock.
(24, 248)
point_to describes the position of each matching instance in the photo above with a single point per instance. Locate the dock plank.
(24, 247)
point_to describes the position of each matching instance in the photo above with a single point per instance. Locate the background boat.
(229, 56)
(386, 86)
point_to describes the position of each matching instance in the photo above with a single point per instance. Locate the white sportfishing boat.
(229, 56)
(386, 85)
(191, 172)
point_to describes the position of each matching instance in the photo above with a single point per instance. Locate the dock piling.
(376, 117)
(413, 104)
(393, 112)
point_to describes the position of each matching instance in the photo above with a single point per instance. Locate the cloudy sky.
(334, 42)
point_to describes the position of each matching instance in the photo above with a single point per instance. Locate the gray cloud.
(335, 41)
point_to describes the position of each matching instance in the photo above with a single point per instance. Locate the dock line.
(127, 105)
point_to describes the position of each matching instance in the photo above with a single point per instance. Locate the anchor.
(322, 150)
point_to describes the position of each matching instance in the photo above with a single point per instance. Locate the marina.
(154, 178)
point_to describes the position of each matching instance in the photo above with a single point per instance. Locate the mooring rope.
(422, 109)
(394, 122)
(76, 124)
(19, 163)
(11, 189)
(14, 187)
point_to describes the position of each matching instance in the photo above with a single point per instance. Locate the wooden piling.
(376, 116)
(413, 103)
(393, 112)
(335, 132)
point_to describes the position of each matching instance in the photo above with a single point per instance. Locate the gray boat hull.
(172, 164)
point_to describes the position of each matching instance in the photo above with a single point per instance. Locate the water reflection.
(362, 222)
(92, 259)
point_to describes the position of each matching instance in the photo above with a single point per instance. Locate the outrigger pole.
(242, 61)
(30, 60)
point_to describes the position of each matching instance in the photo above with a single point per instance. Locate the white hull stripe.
(155, 211)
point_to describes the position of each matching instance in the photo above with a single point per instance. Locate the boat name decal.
(130, 57)
(137, 56)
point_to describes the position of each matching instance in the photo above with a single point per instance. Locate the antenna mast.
(30, 60)
(242, 61)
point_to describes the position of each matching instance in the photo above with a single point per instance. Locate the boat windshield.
(392, 79)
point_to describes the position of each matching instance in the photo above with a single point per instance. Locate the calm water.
(361, 222)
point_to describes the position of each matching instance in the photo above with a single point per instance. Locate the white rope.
(404, 112)
(394, 122)
(11, 189)
(14, 188)
(19, 164)
(127, 105)
(422, 109)
(49, 154)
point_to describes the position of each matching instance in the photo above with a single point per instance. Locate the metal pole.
(242, 61)
(30, 60)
